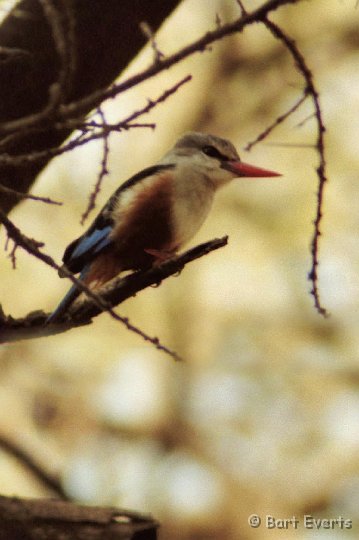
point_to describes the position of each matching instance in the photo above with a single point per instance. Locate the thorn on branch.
(242, 8)
(11, 237)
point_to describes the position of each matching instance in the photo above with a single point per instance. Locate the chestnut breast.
(143, 220)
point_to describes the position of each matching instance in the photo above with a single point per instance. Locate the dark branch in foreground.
(33, 325)
(55, 520)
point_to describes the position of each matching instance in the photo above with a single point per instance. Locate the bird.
(151, 216)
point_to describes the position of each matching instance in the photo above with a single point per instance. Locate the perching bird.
(152, 215)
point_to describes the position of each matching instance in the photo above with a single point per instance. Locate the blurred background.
(262, 416)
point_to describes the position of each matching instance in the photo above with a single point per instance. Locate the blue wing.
(81, 253)
(92, 243)
(83, 250)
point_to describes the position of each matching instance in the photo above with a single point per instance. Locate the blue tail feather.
(66, 302)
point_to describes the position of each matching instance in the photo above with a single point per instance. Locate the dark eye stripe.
(211, 151)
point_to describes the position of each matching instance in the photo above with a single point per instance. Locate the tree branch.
(35, 60)
(28, 461)
(311, 90)
(75, 110)
(61, 520)
(32, 247)
(33, 325)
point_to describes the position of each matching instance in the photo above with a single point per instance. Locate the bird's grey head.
(210, 159)
(206, 155)
(210, 145)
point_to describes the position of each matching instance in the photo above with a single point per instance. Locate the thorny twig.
(85, 138)
(115, 293)
(279, 120)
(29, 196)
(31, 246)
(77, 108)
(106, 129)
(199, 45)
(103, 170)
(321, 169)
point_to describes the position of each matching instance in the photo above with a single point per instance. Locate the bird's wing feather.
(93, 243)
(68, 299)
(98, 236)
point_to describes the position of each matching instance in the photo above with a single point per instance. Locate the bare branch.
(103, 169)
(77, 108)
(54, 520)
(33, 466)
(29, 196)
(119, 290)
(276, 123)
(321, 169)
(148, 33)
(31, 246)
(200, 45)
(242, 8)
(87, 134)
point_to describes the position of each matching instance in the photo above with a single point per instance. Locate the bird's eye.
(211, 151)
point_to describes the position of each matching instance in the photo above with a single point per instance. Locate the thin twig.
(35, 468)
(321, 169)
(290, 145)
(103, 170)
(148, 33)
(19, 195)
(200, 45)
(242, 8)
(82, 139)
(305, 120)
(78, 108)
(276, 123)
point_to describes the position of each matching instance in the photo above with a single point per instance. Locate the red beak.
(243, 169)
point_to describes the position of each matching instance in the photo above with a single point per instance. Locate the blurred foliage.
(262, 417)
